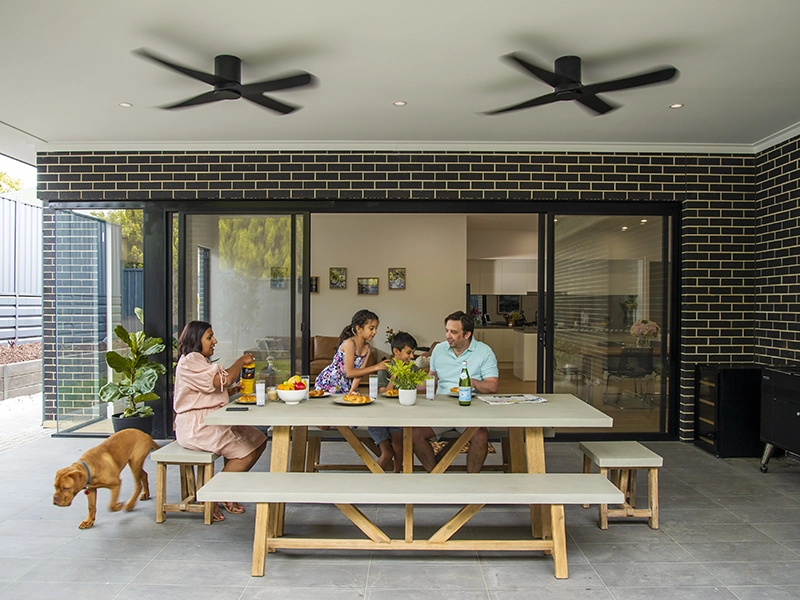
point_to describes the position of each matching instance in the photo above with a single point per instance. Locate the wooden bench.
(473, 491)
(188, 460)
(619, 461)
(316, 436)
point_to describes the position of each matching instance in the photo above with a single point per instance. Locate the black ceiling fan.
(227, 82)
(566, 79)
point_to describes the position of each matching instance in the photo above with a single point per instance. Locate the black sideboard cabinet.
(780, 410)
(727, 406)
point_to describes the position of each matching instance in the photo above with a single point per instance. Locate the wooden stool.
(175, 454)
(619, 460)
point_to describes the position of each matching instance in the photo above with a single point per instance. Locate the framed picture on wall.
(313, 285)
(368, 285)
(278, 278)
(338, 278)
(397, 278)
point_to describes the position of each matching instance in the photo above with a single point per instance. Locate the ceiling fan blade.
(594, 103)
(270, 103)
(193, 73)
(212, 96)
(547, 76)
(280, 83)
(546, 99)
(625, 83)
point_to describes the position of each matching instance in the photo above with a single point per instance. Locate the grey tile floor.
(727, 531)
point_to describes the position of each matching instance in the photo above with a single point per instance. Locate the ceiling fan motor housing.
(568, 71)
(229, 69)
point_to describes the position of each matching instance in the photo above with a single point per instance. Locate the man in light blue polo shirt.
(446, 362)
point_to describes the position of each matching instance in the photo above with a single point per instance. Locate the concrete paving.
(21, 421)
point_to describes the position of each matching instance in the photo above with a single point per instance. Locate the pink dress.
(195, 397)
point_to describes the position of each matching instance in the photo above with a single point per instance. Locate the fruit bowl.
(291, 396)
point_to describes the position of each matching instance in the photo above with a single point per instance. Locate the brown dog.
(100, 467)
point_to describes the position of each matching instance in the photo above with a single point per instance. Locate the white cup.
(261, 393)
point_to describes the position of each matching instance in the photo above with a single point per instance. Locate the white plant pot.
(407, 397)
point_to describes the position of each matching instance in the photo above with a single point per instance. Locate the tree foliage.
(8, 183)
(130, 220)
(252, 247)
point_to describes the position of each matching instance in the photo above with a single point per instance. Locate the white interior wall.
(433, 250)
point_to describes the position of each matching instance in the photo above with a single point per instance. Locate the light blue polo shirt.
(481, 364)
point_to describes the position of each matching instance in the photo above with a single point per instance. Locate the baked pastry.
(246, 399)
(315, 393)
(454, 390)
(356, 398)
(393, 393)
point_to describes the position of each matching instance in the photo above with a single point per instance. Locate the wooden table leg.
(516, 450)
(408, 450)
(362, 452)
(299, 449)
(534, 454)
(279, 463)
(260, 539)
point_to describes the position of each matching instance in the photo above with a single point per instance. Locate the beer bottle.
(464, 387)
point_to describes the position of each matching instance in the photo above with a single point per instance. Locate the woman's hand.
(247, 358)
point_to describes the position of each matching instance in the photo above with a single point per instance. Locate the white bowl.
(292, 396)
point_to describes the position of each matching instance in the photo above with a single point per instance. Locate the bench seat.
(472, 491)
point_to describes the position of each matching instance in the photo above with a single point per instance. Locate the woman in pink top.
(201, 387)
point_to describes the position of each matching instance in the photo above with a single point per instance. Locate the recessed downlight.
(676, 105)
(125, 104)
(643, 221)
(624, 228)
(399, 103)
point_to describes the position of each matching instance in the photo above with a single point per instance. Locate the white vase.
(407, 397)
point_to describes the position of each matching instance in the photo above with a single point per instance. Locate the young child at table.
(345, 372)
(390, 439)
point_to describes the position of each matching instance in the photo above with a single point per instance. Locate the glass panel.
(239, 277)
(98, 285)
(610, 315)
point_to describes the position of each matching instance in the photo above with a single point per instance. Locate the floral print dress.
(332, 378)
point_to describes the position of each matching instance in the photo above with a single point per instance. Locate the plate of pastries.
(353, 399)
(246, 399)
(318, 394)
(393, 393)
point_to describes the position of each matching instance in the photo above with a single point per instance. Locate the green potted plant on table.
(406, 377)
(138, 377)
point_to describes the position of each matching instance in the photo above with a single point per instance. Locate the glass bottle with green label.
(464, 387)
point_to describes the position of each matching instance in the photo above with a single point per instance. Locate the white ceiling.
(67, 65)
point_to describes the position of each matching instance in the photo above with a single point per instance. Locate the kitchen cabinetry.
(515, 277)
(727, 409)
(525, 349)
(500, 340)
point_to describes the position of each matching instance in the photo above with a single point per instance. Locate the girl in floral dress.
(345, 372)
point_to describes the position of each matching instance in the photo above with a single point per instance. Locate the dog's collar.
(88, 475)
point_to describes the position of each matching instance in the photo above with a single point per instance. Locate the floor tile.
(42, 590)
(655, 575)
(85, 570)
(769, 572)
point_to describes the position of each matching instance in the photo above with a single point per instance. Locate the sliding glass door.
(244, 275)
(610, 315)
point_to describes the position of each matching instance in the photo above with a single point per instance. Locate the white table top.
(560, 410)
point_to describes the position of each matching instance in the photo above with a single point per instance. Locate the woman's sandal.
(232, 507)
(217, 516)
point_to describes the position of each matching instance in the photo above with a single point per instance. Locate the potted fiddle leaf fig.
(406, 377)
(137, 380)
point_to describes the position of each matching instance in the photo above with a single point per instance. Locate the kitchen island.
(525, 351)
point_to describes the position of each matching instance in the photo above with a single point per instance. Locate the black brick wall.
(777, 307)
(717, 193)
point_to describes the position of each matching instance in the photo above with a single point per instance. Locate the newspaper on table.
(511, 399)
